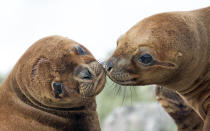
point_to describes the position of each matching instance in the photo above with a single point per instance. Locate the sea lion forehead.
(156, 31)
(52, 49)
(55, 46)
(63, 43)
(132, 41)
(69, 46)
(157, 24)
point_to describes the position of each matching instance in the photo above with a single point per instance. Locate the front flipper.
(184, 116)
(206, 126)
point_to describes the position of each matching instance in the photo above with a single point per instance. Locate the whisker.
(102, 65)
(115, 88)
(134, 88)
(131, 95)
(113, 84)
(89, 88)
(124, 94)
(119, 90)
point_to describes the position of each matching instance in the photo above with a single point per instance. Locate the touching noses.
(109, 64)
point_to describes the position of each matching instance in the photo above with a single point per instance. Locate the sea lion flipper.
(184, 116)
(206, 126)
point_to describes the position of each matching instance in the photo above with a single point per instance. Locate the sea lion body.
(171, 50)
(52, 87)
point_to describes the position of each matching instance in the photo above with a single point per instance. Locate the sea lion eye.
(146, 59)
(57, 88)
(81, 51)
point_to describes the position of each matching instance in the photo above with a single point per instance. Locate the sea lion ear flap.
(168, 65)
(41, 69)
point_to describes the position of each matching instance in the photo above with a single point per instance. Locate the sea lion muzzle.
(84, 73)
(89, 77)
(87, 74)
(108, 65)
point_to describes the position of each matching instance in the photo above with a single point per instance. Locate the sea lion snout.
(108, 65)
(91, 78)
(84, 73)
(119, 70)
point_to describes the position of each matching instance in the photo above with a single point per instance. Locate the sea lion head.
(57, 72)
(156, 50)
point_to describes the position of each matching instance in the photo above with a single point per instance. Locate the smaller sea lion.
(170, 50)
(52, 87)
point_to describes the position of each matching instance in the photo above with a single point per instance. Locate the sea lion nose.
(109, 65)
(86, 74)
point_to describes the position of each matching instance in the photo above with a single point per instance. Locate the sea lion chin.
(58, 78)
(170, 50)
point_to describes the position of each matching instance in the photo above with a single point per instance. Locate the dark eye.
(81, 51)
(57, 87)
(146, 59)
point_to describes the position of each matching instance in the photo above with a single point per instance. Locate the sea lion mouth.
(128, 82)
(126, 79)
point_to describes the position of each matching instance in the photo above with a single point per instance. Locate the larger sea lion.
(171, 50)
(52, 87)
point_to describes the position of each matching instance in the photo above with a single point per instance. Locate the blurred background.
(96, 24)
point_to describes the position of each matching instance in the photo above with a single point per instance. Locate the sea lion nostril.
(86, 74)
(109, 65)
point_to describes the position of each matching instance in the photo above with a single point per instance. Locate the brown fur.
(179, 44)
(27, 99)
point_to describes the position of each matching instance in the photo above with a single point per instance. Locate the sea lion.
(170, 50)
(184, 116)
(52, 87)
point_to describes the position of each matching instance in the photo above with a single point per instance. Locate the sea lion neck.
(28, 99)
(64, 120)
(61, 119)
(195, 90)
